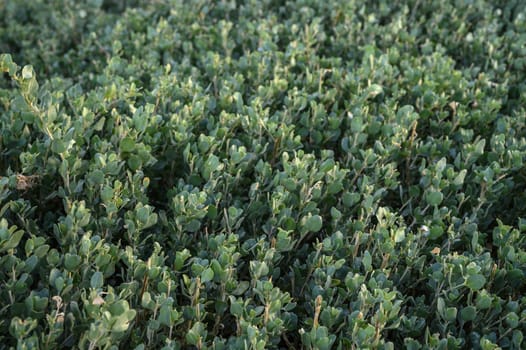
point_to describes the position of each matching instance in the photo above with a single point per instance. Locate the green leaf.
(367, 261)
(180, 258)
(139, 121)
(121, 324)
(71, 261)
(212, 212)
(127, 145)
(258, 269)
(143, 213)
(97, 280)
(451, 314)
(459, 179)
(207, 275)
(192, 337)
(27, 72)
(468, 313)
(12, 242)
(134, 162)
(106, 194)
(58, 146)
(486, 344)
(435, 232)
(28, 117)
(512, 320)
(441, 165)
(236, 308)
(476, 281)
(434, 198)
(479, 147)
(374, 90)
(399, 235)
(483, 301)
(314, 223)
(404, 112)
(7, 64)
(193, 226)
(241, 288)
(327, 165)
(195, 333)
(336, 214)
(119, 307)
(96, 177)
(350, 199)
(357, 124)
(165, 315)
(147, 301)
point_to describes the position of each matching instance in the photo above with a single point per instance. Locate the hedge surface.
(262, 174)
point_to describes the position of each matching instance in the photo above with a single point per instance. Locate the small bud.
(98, 300)
(424, 230)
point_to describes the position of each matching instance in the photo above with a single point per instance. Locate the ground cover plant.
(262, 174)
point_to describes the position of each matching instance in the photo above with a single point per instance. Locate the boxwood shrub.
(262, 174)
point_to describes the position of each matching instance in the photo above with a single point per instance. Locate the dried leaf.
(25, 182)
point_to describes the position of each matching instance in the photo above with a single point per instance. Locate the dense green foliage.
(262, 174)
